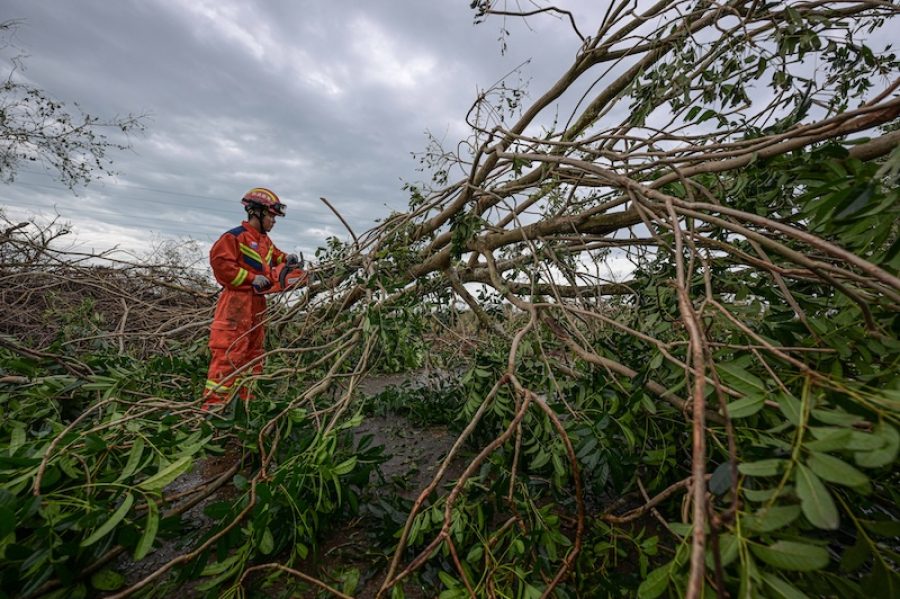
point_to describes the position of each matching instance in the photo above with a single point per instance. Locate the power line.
(218, 200)
(163, 225)
(208, 235)
(102, 211)
(116, 183)
(219, 210)
(203, 233)
(104, 182)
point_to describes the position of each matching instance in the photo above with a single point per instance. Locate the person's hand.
(261, 282)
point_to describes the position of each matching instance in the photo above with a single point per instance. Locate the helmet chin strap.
(258, 214)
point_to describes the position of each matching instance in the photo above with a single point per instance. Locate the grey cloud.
(283, 94)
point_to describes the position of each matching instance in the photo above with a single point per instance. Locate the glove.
(261, 283)
(294, 260)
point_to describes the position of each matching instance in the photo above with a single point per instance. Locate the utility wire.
(216, 209)
(222, 207)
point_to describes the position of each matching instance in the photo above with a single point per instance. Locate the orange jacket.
(241, 254)
(236, 258)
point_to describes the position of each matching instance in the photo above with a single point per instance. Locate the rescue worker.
(242, 261)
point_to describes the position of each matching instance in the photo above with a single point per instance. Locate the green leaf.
(843, 586)
(345, 466)
(414, 529)
(107, 580)
(747, 406)
(540, 459)
(110, 524)
(740, 379)
(16, 439)
(729, 547)
(860, 441)
(17, 462)
(854, 557)
(530, 592)
(683, 529)
(221, 566)
(815, 500)
(149, 534)
(883, 581)
(302, 550)
(837, 471)
(830, 439)
(349, 581)
(859, 203)
(760, 495)
(707, 114)
(166, 475)
(762, 467)
(217, 580)
(449, 581)
(886, 453)
(720, 481)
(267, 543)
(67, 465)
(558, 467)
(791, 407)
(7, 522)
(134, 458)
(782, 589)
(883, 528)
(190, 447)
(790, 555)
(836, 418)
(767, 520)
(655, 584)
(626, 431)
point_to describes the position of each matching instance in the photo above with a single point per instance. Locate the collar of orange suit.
(256, 234)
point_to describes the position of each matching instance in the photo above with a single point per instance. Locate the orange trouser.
(236, 338)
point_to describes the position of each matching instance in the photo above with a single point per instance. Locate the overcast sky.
(307, 98)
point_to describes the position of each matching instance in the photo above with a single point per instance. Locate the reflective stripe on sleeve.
(240, 278)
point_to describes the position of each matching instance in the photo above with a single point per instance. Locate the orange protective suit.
(237, 333)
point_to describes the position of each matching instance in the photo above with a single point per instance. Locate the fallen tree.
(725, 407)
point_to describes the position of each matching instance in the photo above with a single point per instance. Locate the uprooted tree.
(718, 420)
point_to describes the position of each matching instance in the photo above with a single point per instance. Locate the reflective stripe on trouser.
(221, 381)
(222, 384)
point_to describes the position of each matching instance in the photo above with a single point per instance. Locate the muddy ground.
(414, 455)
